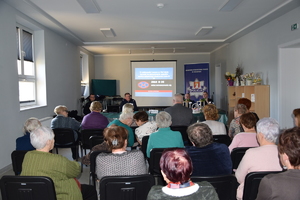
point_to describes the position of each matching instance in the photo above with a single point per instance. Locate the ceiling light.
(90, 6)
(160, 5)
(108, 32)
(204, 30)
(230, 5)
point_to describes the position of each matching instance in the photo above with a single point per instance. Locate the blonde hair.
(210, 112)
(127, 107)
(59, 109)
(96, 106)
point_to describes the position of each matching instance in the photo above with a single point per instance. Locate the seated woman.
(145, 127)
(235, 126)
(211, 115)
(262, 158)
(284, 185)
(248, 104)
(23, 143)
(296, 113)
(127, 107)
(120, 162)
(94, 120)
(63, 121)
(176, 168)
(164, 137)
(62, 171)
(248, 137)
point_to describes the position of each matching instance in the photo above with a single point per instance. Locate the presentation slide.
(153, 82)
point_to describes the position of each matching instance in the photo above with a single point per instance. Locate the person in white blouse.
(145, 127)
(211, 115)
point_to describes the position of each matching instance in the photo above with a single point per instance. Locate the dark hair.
(296, 113)
(248, 120)
(245, 101)
(141, 115)
(127, 93)
(176, 164)
(200, 134)
(115, 132)
(289, 143)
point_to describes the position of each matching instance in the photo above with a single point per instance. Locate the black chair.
(27, 188)
(182, 130)
(154, 167)
(225, 185)
(252, 182)
(95, 140)
(17, 160)
(134, 187)
(85, 136)
(236, 156)
(64, 138)
(93, 176)
(144, 145)
(224, 139)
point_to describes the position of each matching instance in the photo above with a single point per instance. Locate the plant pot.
(248, 82)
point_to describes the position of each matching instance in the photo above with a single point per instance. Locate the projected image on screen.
(153, 83)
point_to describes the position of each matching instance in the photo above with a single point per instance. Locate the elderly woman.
(63, 121)
(94, 120)
(125, 120)
(164, 137)
(62, 171)
(235, 126)
(120, 162)
(262, 158)
(296, 113)
(145, 127)
(284, 185)
(127, 107)
(176, 168)
(248, 137)
(248, 104)
(211, 115)
(23, 143)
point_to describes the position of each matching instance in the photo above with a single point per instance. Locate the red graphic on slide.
(143, 84)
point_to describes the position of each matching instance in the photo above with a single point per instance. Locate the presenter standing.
(128, 99)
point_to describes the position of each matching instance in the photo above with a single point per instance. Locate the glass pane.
(26, 91)
(28, 68)
(27, 45)
(19, 67)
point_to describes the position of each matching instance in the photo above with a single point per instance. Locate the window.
(26, 67)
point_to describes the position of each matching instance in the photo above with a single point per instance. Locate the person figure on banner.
(205, 100)
(128, 99)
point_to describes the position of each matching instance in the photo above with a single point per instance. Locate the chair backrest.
(155, 155)
(95, 140)
(134, 187)
(182, 130)
(236, 156)
(63, 137)
(224, 139)
(86, 134)
(17, 160)
(252, 182)
(225, 185)
(144, 145)
(93, 175)
(27, 188)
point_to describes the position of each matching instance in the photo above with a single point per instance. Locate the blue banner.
(196, 80)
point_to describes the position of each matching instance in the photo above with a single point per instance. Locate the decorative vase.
(248, 82)
(230, 83)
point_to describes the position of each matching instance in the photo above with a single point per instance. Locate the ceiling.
(141, 27)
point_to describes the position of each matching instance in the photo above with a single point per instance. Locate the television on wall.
(104, 87)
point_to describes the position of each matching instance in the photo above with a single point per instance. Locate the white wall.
(62, 74)
(118, 67)
(258, 52)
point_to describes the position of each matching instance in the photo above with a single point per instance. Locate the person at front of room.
(128, 99)
(181, 116)
(188, 101)
(205, 100)
(86, 108)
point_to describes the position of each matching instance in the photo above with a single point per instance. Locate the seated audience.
(296, 113)
(176, 168)
(210, 112)
(99, 147)
(248, 104)
(248, 137)
(94, 120)
(125, 121)
(145, 127)
(86, 107)
(262, 158)
(120, 162)
(127, 107)
(181, 116)
(63, 121)
(62, 171)
(205, 100)
(235, 126)
(209, 158)
(128, 99)
(164, 137)
(284, 185)
(23, 143)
